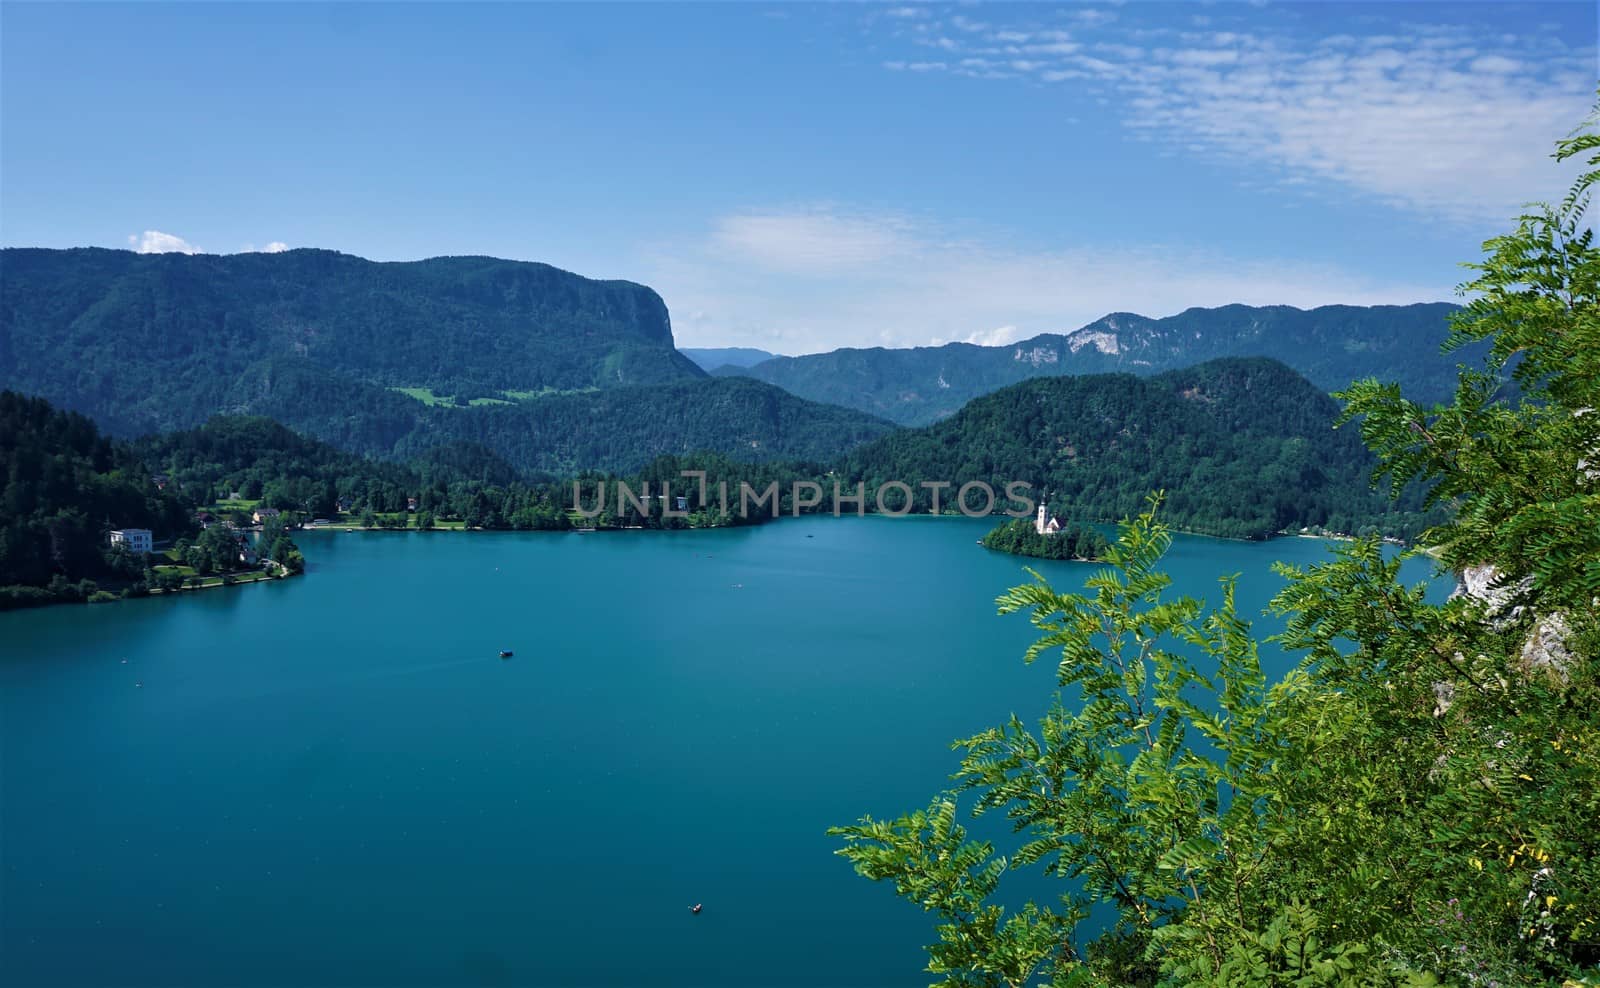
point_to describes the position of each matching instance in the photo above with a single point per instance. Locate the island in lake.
(1046, 536)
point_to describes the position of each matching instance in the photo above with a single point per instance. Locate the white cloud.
(1415, 126)
(276, 247)
(1496, 63)
(156, 242)
(804, 280)
(809, 241)
(998, 336)
(1093, 17)
(1435, 119)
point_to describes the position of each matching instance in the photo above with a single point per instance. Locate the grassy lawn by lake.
(215, 580)
(240, 504)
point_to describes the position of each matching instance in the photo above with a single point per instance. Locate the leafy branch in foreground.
(1150, 784)
(1521, 476)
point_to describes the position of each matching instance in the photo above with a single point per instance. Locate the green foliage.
(1109, 793)
(153, 341)
(1521, 474)
(319, 341)
(1417, 802)
(1331, 346)
(63, 488)
(622, 429)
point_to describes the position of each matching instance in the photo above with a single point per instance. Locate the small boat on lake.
(696, 908)
(505, 653)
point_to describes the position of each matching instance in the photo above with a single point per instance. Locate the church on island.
(1046, 523)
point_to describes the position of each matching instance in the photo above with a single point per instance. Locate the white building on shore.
(137, 540)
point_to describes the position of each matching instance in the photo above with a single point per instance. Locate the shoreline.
(353, 529)
(337, 528)
(920, 515)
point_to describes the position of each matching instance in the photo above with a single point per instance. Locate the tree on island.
(1414, 803)
(1019, 536)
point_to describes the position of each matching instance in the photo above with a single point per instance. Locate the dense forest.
(263, 462)
(63, 486)
(155, 341)
(553, 372)
(1332, 346)
(1415, 801)
(1245, 448)
(621, 430)
(617, 429)
(1019, 537)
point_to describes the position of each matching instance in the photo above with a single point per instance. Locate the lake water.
(334, 780)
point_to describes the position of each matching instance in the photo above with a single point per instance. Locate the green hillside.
(145, 342)
(1244, 447)
(551, 371)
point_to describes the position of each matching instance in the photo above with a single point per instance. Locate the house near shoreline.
(138, 541)
(263, 515)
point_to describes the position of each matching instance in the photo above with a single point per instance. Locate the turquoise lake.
(334, 780)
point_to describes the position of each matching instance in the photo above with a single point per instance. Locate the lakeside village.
(246, 548)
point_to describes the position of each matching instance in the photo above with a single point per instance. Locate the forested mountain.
(550, 371)
(617, 430)
(1332, 346)
(1244, 447)
(145, 342)
(63, 486)
(712, 358)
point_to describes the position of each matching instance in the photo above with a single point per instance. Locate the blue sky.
(799, 177)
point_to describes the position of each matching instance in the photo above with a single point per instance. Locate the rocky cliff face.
(1545, 651)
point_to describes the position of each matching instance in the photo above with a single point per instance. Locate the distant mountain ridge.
(712, 358)
(1331, 345)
